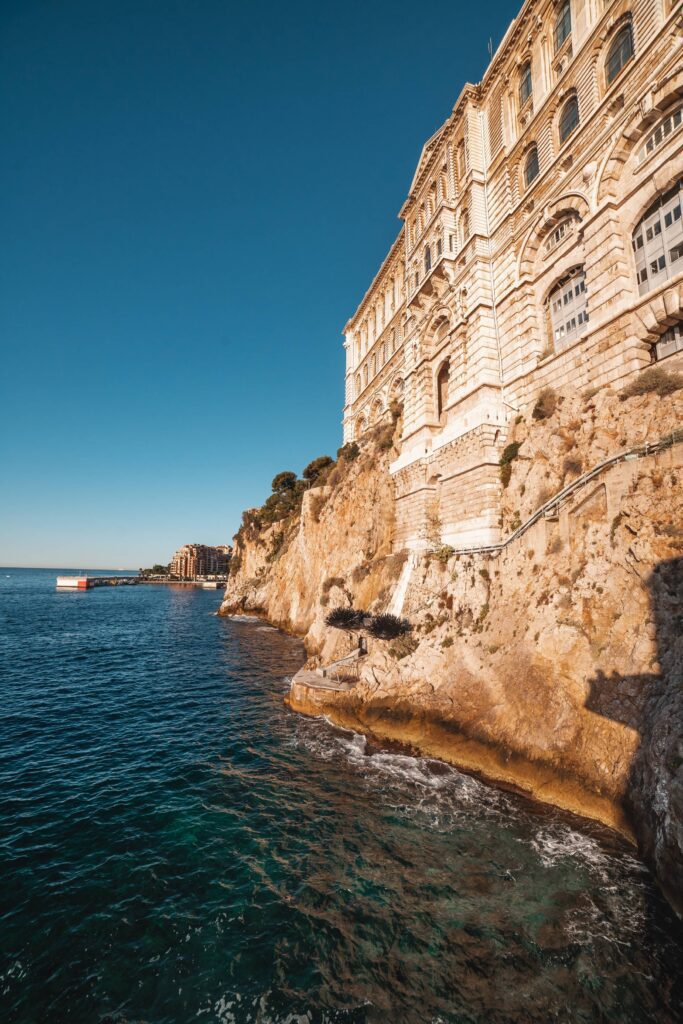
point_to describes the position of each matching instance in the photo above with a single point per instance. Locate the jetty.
(85, 582)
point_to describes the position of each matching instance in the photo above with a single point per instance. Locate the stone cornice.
(389, 263)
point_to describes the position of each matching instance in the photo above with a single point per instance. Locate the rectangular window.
(672, 216)
(563, 25)
(676, 253)
(438, 247)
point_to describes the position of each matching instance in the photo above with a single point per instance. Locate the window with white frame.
(670, 342)
(558, 234)
(568, 308)
(664, 130)
(658, 241)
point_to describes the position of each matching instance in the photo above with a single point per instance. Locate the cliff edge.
(554, 664)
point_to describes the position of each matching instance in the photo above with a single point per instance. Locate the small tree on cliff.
(388, 627)
(284, 481)
(345, 618)
(316, 471)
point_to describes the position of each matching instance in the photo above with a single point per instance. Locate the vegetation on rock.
(345, 618)
(507, 458)
(655, 380)
(546, 404)
(388, 627)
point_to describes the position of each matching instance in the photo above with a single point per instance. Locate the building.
(541, 246)
(193, 560)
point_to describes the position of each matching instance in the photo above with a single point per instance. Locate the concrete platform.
(305, 677)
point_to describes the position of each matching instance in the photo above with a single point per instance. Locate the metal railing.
(553, 505)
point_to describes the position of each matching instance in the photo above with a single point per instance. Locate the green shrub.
(510, 453)
(656, 381)
(284, 481)
(446, 642)
(442, 553)
(546, 404)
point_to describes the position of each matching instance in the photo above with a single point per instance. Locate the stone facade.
(542, 245)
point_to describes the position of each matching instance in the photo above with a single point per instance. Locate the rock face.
(555, 666)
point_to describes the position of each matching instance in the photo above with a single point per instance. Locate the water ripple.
(177, 846)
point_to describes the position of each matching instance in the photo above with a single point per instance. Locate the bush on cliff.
(546, 404)
(316, 471)
(510, 453)
(656, 381)
(285, 481)
(345, 618)
(349, 452)
(388, 627)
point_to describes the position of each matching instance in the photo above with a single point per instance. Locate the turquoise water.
(176, 846)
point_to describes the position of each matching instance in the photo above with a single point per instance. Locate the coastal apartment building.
(542, 244)
(194, 560)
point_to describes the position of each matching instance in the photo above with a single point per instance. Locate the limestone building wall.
(542, 245)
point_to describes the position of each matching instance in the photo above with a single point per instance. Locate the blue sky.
(194, 197)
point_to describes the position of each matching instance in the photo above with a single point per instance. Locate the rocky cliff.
(555, 665)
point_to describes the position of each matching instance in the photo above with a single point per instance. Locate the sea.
(177, 846)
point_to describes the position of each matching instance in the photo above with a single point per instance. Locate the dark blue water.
(177, 846)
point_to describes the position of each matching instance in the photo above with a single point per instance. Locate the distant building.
(194, 560)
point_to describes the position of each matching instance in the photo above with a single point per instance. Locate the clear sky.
(194, 196)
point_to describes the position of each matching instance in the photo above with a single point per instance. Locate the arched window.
(393, 340)
(365, 375)
(358, 386)
(373, 366)
(569, 118)
(382, 355)
(428, 259)
(568, 308)
(531, 166)
(620, 52)
(442, 389)
(525, 85)
(658, 240)
(563, 24)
